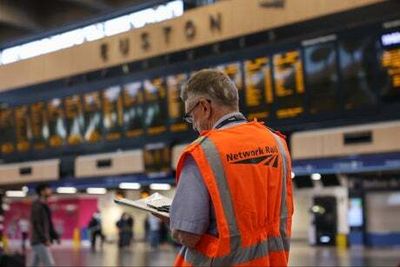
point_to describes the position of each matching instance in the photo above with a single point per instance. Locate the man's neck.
(229, 118)
(221, 115)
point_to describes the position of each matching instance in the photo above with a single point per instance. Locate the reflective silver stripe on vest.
(285, 170)
(214, 160)
(238, 255)
(241, 255)
(194, 257)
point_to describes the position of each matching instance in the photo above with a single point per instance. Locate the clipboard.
(143, 204)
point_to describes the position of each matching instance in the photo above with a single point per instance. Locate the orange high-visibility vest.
(246, 169)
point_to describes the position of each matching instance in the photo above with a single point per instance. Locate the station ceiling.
(25, 18)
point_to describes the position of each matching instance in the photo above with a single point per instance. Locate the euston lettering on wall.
(190, 31)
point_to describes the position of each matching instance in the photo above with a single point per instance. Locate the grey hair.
(212, 84)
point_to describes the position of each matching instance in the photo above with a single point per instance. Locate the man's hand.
(187, 239)
(47, 243)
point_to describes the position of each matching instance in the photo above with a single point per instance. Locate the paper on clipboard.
(153, 204)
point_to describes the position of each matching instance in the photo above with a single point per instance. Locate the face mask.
(195, 129)
(196, 126)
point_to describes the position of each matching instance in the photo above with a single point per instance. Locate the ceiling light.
(316, 176)
(160, 186)
(66, 190)
(96, 190)
(133, 186)
(15, 193)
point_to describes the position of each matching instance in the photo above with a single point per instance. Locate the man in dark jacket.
(95, 230)
(125, 230)
(43, 233)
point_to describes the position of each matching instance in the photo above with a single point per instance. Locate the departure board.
(92, 115)
(40, 131)
(332, 78)
(7, 140)
(288, 84)
(258, 88)
(74, 119)
(133, 109)
(156, 106)
(112, 113)
(235, 73)
(23, 131)
(321, 77)
(389, 59)
(157, 159)
(357, 71)
(176, 107)
(55, 115)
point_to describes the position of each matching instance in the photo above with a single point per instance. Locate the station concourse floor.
(141, 255)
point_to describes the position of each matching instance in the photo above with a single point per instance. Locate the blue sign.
(350, 164)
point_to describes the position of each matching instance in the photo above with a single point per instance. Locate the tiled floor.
(301, 255)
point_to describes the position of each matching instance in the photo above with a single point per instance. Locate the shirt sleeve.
(190, 209)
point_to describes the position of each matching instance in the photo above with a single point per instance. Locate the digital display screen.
(133, 109)
(40, 130)
(303, 181)
(353, 70)
(235, 73)
(322, 79)
(357, 69)
(57, 131)
(330, 180)
(355, 212)
(112, 113)
(23, 131)
(157, 159)
(74, 120)
(289, 84)
(389, 59)
(176, 107)
(7, 130)
(92, 117)
(258, 88)
(156, 109)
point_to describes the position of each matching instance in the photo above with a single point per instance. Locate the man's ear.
(206, 106)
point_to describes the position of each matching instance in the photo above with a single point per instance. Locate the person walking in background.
(146, 227)
(95, 230)
(154, 231)
(125, 230)
(43, 233)
(23, 224)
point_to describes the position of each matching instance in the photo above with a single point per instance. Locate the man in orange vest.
(233, 204)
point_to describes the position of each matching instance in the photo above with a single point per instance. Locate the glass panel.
(112, 113)
(92, 115)
(133, 109)
(321, 74)
(356, 64)
(289, 84)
